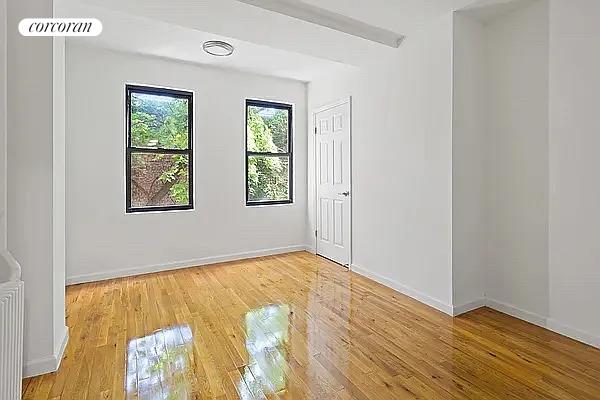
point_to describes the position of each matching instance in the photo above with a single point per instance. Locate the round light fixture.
(218, 48)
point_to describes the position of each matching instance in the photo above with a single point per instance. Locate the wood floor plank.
(296, 326)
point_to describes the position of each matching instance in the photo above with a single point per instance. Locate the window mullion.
(158, 151)
(261, 154)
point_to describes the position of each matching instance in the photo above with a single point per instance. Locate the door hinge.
(315, 233)
(315, 130)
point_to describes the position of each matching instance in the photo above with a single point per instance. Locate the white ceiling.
(330, 19)
(139, 35)
(402, 16)
(487, 11)
(266, 42)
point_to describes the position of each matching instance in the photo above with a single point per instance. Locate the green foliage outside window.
(268, 175)
(159, 122)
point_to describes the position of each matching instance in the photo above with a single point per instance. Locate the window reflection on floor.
(267, 330)
(158, 365)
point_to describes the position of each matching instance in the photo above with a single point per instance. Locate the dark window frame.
(130, 150)
(289, 154)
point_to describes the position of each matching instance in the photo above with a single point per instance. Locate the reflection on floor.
(266, 336)
(160, 360)
(296, 326)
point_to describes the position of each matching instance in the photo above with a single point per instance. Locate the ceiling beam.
(320, 16)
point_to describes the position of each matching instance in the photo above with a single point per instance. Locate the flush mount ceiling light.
(218, 48)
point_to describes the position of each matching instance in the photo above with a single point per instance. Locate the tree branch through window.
(159, 149)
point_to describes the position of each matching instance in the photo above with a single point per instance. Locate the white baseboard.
(48, 364)
(516, 312)
(545, 322)
(51, 363)
(408, 291)
(465, 308)
(573, 333)
(59, 352)
(146, 269)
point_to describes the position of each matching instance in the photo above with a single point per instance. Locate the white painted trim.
(145, 269)
(328, 106)
(465, 308)
(6, 259)
(516, 312)
(573, 333)
(351, 240)
(545, 322)
(533, 318)
(406, 290)
(62, 346)
(48, 364)
(329, 19)
(39, 366)
(528, 316)
(333, 104)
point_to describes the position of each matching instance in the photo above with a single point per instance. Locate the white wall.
(102, 240)
(30, 187)
(574, 168)
(468, 141)
(402, 163)
(59, 175)
(326, 89)
(4, 268)
(516, 164)
(540, 164)
(422, 209)
(524, 165)
(500, 160)
(9, 267)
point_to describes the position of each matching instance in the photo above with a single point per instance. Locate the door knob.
(347, 193)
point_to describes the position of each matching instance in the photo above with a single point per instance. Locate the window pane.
(159, 121)
(267, 129)
(268, 178)
(159, 180)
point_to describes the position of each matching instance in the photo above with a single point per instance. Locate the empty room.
(299, 199)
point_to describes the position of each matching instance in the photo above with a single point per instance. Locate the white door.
(334, 198)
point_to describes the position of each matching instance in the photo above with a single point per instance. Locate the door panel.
(324, 159)
(338, 162)
(333, 183)
(338, 222)
(324, 226)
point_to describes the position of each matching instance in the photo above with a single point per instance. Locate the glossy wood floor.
(293, 327)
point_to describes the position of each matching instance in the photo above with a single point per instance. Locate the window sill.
(270, 204)
(158, 210)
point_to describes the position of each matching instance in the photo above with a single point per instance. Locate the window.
(159, 149)
(269, 161)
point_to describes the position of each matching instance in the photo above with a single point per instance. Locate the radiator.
(11, 340)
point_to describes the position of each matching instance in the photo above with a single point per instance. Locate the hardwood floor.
(297, 326)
